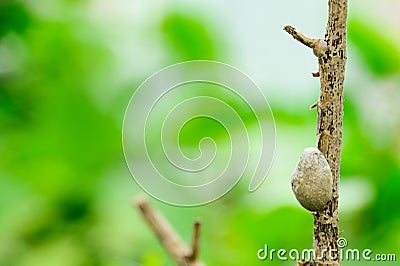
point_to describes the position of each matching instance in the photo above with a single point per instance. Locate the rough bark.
(331, 53)
(330, 123)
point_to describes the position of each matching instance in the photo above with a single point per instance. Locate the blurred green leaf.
(190, 36)
(14, 107)
(13, 17)
(247, 231)
(377, 50)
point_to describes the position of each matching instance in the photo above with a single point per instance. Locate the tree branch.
(331, 53)
(167, 236)
(195, 242)
(299, 36)
(330, 123)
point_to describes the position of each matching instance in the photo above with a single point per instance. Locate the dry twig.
(168, 237)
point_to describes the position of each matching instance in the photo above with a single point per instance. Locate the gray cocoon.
(312, 181)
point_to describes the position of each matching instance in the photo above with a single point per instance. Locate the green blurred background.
(68, 69)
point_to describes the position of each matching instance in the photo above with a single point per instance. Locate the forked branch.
(168, 237)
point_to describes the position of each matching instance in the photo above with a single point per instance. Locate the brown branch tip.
(167, 236)
(315, 74)
(195, 242)
(319, 46)
(299, 36)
